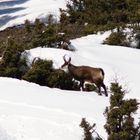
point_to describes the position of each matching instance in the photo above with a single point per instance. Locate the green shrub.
(89, 29)
(120, 122)
(36, 76)
(90, 87)
(138, 40)
(60, 79)
(43, 73)
(14, 63)
(39, 72)
(89, 130)
(11, 72)
(27, 24)
(116, 38)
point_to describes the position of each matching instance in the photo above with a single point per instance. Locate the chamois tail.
(102, 71)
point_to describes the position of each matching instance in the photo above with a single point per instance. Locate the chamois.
(86, 74)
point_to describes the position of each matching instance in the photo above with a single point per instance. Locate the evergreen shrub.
(39, 71)
(14, 63)
(120, 122)
(116, 38)
(43, 73)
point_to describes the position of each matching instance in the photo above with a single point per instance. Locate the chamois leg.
(104, 87)
(82, 85)
(99, 89)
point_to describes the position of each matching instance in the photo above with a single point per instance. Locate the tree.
(102, 13)
(39, 72)
(39, 26)
(120, 122)
(27, 26)
(88, 130)
(14, 64)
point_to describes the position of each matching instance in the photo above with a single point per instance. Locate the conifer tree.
(120, 122)
(27, 26)
(101, 12)
(89, 130)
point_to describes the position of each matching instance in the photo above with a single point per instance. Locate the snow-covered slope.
(13, 12)
(31, 112)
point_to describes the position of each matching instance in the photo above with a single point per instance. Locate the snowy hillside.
(13, 12)
(32, 112)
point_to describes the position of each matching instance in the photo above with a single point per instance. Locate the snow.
(32, 112)
(29, 111)
(28, 9)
